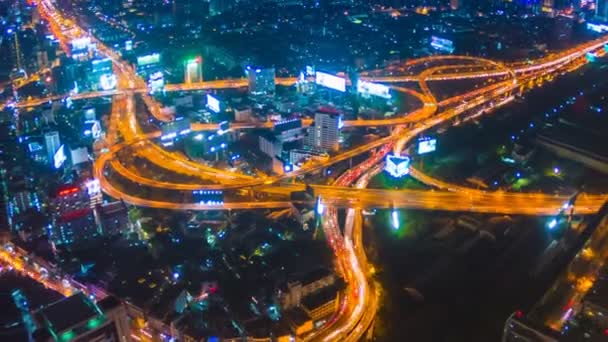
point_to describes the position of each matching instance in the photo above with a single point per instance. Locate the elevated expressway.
(481, 202)
(359, 305)
(431, 113)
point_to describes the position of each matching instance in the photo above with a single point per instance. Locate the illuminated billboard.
(397, 166)
(213, 104)
(369, 88)
(80, 43)
(107, 81)
(330, 81)
(310, 70)
(92, 128)
(208, 197)
(148, 59)
(129, 45)
(156, 82)
(93, 187)
(427, 145)
(442, 44)
(599, 28)
(59, 158)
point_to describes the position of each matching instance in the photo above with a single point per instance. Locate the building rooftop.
(598, 294)
(114, 208)
(297, 316)
(76, 214)
(312, 276)
(576, 138)
(67, 313)
(320, 297)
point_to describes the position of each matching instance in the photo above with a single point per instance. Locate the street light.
(552, 224)
(395, 219)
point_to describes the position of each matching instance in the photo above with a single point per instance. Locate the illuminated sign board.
(59, 158)
(93, 187)
(310, 70)
(330, 81)
(369, 88)
(208, 197)
(107, 81)
(442, 44)
(148, 59)
(213, 103)
(397, 166)
(427, 145)
(92, 128)
(128, 45)
(80, 43)
(156, 82)
(599, 28)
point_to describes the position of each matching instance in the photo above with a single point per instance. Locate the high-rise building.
(69, 198)
(101, 76)
(114, 218)
(261, 80)
(193, 70)
(325, 133)
(52, 143)
(217, 7)
(16, 52)
(601, 10)
(67, 75)
(77, 318)
(74, 227)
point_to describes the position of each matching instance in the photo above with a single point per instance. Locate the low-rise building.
(80, 319)
(291, 295)
(322, 304)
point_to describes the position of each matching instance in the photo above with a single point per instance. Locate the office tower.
(74, 227)
(114, 218)
(601, 10)
(193, 70)
(52, 144)
(261, 80)
(69, 198)
(66, 76)
(78, 318)
(42, 59)
(102, 76)
(217, 7)
(325, 133)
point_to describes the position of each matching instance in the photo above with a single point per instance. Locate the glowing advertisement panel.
(148, 59)
(107, 81)
(59, 158)
(599, 28)
(213, 103)
(397, 166)
(427, 146)
(156, 82)
(369, 88)
(442, 44)
(330, 81)
(93, 187)
(80, 43)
